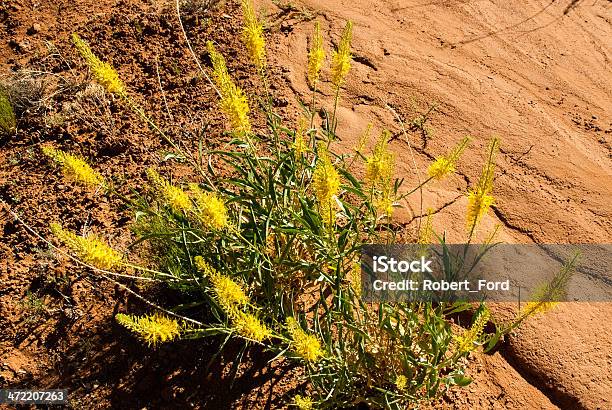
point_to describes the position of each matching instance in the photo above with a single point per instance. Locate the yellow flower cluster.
(233, 101)
(355, 279)
(536, 307)
(233, 300)
(230, 294)
(380, 165)
(252, 35)
(341, 57)
(174, 196)
(300, 146)
(152, 329)
(465, 342)
(401, 382)
(74, 167)
(90, 250)
(211, 211)
(250, 327)
(326, 182)
(305, 345)
(479, 202)
(445, 165)
(316, 56)
(364, 138)
(103, 72)
(379, 173)
(480, 198)
(303, 403)
(384, 203)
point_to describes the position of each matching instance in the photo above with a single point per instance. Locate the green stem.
(333, 121)
(312, 104)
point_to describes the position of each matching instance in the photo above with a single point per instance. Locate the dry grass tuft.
(27, 91)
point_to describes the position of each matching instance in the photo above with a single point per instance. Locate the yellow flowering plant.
(268, 253)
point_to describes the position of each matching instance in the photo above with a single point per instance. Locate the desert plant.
(268, 250)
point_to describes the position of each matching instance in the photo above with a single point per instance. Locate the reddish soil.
(536, 73)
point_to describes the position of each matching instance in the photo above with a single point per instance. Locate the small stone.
(34, 28)
(23, 46)
(281, 102)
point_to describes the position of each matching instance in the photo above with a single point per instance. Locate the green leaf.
(460, 380)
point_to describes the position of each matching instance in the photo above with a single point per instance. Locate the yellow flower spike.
(380, 165)
(234, 103)
(364, 138)
(426, 231)
(326, 182)
(480, 198)
(300, 146)
(103, 72)
(75, 167)
(250, 327)
(236, 107)
(547, 296)
(220, 74)
(211, 211)
(305, 345)
(384, 204)
(174, 196)
(152, 329)
(316, 56)
(232, 299)
(534, 308)
(90, 250)
(466, 342)
(203, 266)
(341, 57)
(252, 35)
(303, 403)
(445, 165)
(401, 382)
(229, 293)
(479, 203)
(355, 279)
(325, 177)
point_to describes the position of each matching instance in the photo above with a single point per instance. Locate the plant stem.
(334, 121)
(312, 104)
